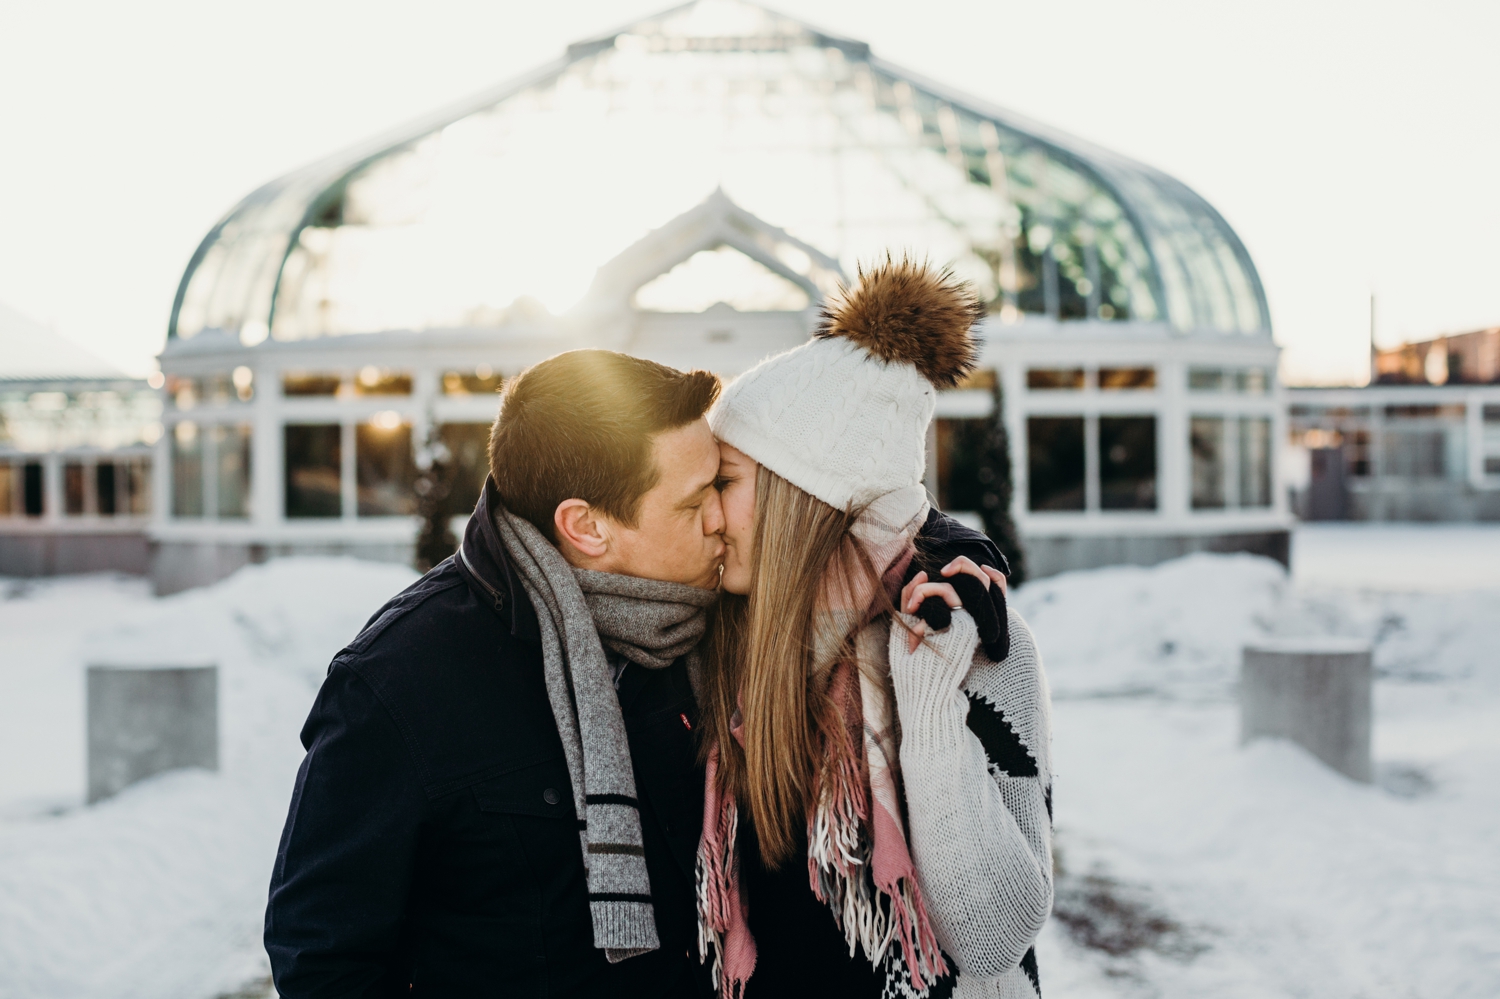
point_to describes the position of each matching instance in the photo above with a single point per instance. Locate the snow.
(1234, 872)
(158, 892)
(1288, 878)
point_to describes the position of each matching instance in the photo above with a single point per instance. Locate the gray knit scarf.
(648, 622)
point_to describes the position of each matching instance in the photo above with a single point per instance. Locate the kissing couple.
(709, 700)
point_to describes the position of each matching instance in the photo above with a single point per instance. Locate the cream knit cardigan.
(979, 808)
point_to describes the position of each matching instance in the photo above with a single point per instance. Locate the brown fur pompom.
(907, 313)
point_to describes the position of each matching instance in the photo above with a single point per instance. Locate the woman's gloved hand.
(970, 586)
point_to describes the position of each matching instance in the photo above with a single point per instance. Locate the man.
(463, 756)
(528, 704)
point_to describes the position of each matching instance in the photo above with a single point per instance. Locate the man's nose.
(713, 514)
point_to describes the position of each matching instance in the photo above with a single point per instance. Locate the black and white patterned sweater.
(976, 770)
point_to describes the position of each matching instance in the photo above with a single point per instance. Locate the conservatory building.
(689, 189)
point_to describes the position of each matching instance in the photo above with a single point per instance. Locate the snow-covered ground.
(157, 893)
(1194, 867)
(1258, 871)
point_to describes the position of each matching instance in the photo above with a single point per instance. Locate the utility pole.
(1374, 372)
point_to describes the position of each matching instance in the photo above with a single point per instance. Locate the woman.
(876, 815)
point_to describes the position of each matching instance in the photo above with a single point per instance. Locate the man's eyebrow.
(688, 500)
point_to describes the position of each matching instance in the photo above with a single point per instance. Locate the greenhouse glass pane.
(1127, 462)
(187, 470)
(232, 443)
(1208, 379)
(962, 464)
(1044, 379)
(1055, 463)
(1127, 378)
(299, 383)
(312, 471)
(104, 488)
(460, 221)
(483, 381)
(32, 500)
(469, 464)
(1206, 441)
(382, 381)
(75, 486)
(137, 473)
(385, 472)
(1255, 462)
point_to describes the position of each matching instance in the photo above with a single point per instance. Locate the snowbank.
(159, 892)
(1277, 877)
(1285, 878)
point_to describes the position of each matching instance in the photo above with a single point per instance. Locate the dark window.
(1206, 438)
(104, 487)
(1255, 461)
(1054, 461)
(187, 470)
(1127, 462)
(385, 472)
(309, 383)
(32, 489)
(74, 483)
(1492, 466)
(313, 460)
(1492, 414)
(1054, 378)
(469, 462)
(960, 463)
(1127, 378)
(233, 448)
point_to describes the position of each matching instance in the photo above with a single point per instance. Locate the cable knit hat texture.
(844, 416)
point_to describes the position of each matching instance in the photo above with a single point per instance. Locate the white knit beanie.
(844, 416)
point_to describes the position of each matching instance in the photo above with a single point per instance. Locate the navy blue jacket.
(431, 848)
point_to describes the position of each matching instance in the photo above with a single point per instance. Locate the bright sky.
(1352, 143)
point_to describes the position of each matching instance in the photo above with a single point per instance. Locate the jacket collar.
(482, 561)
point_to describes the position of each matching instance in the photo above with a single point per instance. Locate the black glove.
(942, 540)
(985, 606)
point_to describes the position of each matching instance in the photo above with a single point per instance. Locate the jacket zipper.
(495, 594)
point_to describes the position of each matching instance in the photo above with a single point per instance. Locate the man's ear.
(578, 525)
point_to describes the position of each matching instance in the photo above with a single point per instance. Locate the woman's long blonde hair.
(759, 654)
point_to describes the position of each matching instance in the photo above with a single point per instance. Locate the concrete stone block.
(1315, 692)
(142, 721)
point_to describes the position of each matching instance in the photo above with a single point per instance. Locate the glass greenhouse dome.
(509, 203)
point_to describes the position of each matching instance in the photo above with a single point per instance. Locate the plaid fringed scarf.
(857, 860)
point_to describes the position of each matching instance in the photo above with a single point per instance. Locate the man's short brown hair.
(581, 425)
